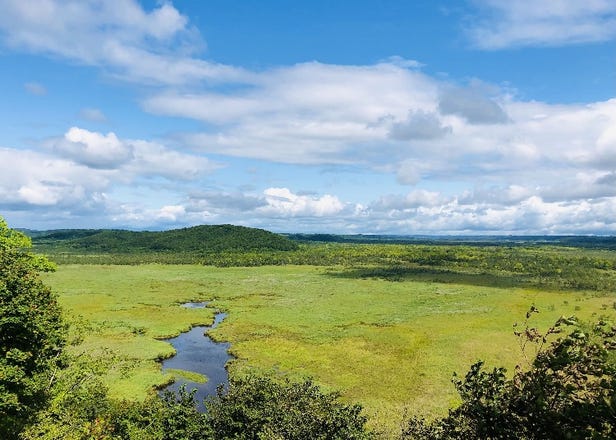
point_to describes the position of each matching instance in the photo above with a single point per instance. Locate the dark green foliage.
(79, 399)
(193, 241)
(569, 392)
(255, 407)
(32, 333)
(260, 407)
(529, 263)
(170, 417)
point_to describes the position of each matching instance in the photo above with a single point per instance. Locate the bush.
(32, 333)
(261, 407)
(569, 392)
(170, 417)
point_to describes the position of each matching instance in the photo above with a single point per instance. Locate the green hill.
(198, 239)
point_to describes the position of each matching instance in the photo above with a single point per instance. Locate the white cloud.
(130, 157)
(35, 179)
(89, 179)
(153, 159)
(480, 158)
(93, 149)
(170, 213)
(518, 23)
(307, 113)
(281, 202)
(153, 46)
(532, 215)
(388, 117)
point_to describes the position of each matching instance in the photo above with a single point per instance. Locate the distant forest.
(563, 262)
(205, 239)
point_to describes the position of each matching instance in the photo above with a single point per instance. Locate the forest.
(334, 337)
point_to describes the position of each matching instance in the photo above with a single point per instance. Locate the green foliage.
(32, 333)
(79, 399)
(568, 392)
(192, 242)
(261, 407)
(256, 407)
(170, 417)
(386, 345)
(529, 263)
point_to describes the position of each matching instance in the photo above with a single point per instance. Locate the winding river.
(195, 351)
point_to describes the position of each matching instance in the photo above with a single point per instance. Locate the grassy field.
(390, 345)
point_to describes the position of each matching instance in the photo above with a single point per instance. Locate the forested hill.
(197, 239)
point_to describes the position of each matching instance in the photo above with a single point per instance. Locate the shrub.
(568, 391)
(261, 407)
(32, 333)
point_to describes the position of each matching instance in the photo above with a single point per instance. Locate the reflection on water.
(197, 352)
(195, 305)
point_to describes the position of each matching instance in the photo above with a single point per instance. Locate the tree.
(170, 417)
(261, 407)
(32, 332)
(568, 391)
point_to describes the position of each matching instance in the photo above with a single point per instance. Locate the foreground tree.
(262, 407)
(568, 391)
(32, 333)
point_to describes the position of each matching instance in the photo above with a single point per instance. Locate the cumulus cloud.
(307, 113)
(505, 24)
(92, 149)
(133, 156)
(154, 46)
(515, 165)
(36, 179)
(532, 215)
(387, 118)
(170, 213)
(281, 202)
(271, 208)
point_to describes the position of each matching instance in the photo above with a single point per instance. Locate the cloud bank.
(453, 156)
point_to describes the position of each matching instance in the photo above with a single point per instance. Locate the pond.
(195, 351)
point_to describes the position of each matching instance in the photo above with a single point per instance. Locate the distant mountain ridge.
(200, 239)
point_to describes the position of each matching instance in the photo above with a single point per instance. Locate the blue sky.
(403, 117)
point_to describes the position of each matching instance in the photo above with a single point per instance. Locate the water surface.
(197, 352)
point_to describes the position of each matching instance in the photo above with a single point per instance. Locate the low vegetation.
(386, 324)
(530, 263)
(567, 392)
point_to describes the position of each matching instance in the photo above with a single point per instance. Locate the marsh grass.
(183, 375)
(391, 346)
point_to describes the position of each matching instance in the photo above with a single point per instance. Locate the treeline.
(580, 241)
(505, 266)
(198, 239)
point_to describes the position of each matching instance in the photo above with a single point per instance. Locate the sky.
(465, 117)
